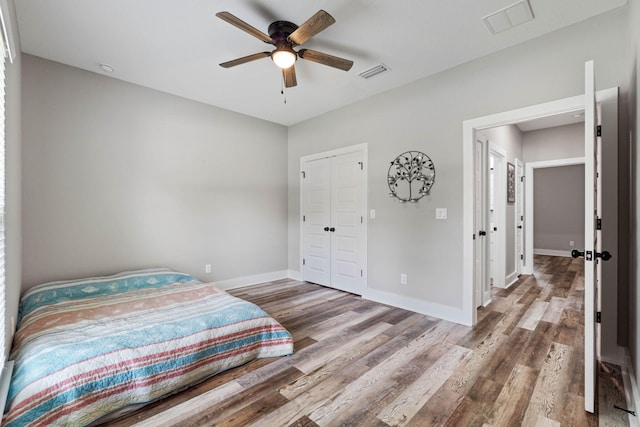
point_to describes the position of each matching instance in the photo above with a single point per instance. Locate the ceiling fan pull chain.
(282, 90)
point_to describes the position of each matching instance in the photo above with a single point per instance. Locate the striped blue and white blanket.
(86, 348)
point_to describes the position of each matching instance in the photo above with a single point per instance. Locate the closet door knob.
(326, 229)
(332, 229)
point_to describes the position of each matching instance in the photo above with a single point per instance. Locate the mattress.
(86, 348)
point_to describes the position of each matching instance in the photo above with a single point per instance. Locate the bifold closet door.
(317, 217)
(333, 226)
(347, 221)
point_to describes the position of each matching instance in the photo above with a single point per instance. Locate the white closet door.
(317, 205)
(334, 230)
(347, 222)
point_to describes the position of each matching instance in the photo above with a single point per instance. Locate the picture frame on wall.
(511, 183)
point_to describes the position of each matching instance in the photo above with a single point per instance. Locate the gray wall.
(427, 115)
(558, 209)
(560, 142)
(117, 176)
(13, 153)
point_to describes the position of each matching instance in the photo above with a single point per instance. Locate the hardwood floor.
(360, 363)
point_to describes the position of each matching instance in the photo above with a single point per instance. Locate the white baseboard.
(252, 280)
(511, 279)
(294, 275)
(423, 307)
(430, 309)
(552, 252)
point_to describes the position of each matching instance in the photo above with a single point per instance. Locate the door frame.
(519, 222)
(469, 128)
(483, 291)
(364, 149)
(530, 168)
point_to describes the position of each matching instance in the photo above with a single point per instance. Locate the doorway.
(470, 127)
(531, 167)
(594, 173)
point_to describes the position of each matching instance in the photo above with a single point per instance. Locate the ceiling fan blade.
(244, 59)
(313, 26)
(325, 59)
(237, 22)
(289, 75)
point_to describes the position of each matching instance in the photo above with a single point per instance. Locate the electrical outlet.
(403, 279)
(571, 243)
(207, 268)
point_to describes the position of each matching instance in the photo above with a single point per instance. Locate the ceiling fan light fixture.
(284, 57)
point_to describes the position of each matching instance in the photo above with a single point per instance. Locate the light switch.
(372, 214)
(441, 213)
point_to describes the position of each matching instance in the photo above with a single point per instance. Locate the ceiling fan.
(285, 35)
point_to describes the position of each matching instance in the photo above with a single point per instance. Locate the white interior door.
(498, 214)
(592, 180)
(316, 202)
(347, 222)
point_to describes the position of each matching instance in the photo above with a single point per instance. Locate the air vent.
(374, 71)
(509, 17)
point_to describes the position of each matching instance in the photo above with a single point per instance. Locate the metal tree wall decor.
(411, 176)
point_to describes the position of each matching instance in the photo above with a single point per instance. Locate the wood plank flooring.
(360, 363)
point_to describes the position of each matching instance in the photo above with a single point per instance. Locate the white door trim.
(519, 211)
(364, 148)
(483, 291)
(528, 181)
(500, 214)
(469, 128)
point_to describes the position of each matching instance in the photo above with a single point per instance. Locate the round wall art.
(411, 176)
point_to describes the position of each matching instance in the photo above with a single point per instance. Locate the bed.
(87, 348)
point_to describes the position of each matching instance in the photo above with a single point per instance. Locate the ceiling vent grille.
(374, 71)
(509, 17)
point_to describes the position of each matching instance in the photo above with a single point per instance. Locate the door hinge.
(304, 218)
(522, 178)
(361, 273)
(588, 256)
(361, 165)
(522, 257)
(599, 130)
(598, 223)
(304, 175)
(304, 261)
(361, 220)
(598, 317)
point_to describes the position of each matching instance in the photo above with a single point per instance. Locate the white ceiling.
(176, 45)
